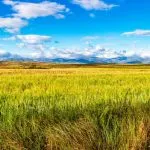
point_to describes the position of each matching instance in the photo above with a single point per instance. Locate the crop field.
(52, 107)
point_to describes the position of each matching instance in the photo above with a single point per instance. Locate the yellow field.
(78, 108)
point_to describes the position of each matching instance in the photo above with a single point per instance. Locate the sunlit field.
(97, 107)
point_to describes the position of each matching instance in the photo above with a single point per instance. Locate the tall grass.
(75, 109)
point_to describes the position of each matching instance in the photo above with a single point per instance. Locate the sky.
(46, 27)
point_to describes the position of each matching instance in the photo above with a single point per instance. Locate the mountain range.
(93, 56)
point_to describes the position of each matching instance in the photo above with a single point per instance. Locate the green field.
(74, 107)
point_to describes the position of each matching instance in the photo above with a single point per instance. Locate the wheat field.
(78, 108)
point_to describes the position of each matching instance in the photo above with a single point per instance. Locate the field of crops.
(84, 108)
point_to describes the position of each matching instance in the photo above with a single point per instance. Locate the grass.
(75, 108)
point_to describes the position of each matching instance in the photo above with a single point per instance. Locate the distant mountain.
(12, 57)
(98, 56)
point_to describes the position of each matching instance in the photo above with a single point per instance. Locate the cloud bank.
(94, 55)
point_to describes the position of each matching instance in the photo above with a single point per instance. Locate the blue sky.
(39, 26)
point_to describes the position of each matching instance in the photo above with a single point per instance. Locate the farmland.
(74, 107)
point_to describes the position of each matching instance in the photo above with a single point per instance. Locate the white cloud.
(145, 54)
(138, 32)
(33, 42)
(27, 10)
(30, 10)
(9, 2)
(2, 52)
(12, 25)
(34, 47)
(86, 55)
(30, 41)
(94, 4)
(33, 38)
(12, 38)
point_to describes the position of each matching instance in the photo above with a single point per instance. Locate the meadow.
(74, 107)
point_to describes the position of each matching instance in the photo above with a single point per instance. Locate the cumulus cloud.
(22, 11)
(138, 32)
(30, 41)
(33, 47)
(9, 2)
(33, 42)
(30, 10)
(33, 38)
(12, 25)
(94, 4)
